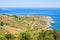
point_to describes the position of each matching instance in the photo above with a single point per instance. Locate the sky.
(29, 3)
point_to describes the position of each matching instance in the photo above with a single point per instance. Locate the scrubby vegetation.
(25, 36)
(9, 37)
(1, 23)
(13, 27)
(44, 35)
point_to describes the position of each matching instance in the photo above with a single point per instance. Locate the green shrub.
(25, 36)
(1, 36)
(9, 37)
(15, 16)
(56, 34)
(41, 36)
(1, 23)
(45, 35)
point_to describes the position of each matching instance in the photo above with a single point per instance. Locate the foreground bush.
(1, 37)
(25, 36)
(44, 35)
(56, 35)
(49, 35)
(9, 37)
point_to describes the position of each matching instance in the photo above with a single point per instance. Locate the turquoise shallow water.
(52, 12)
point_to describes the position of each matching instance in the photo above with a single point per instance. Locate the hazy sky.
(30, 3)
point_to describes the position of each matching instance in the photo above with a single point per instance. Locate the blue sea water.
(52, 12)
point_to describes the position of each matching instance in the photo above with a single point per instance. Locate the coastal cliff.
(16, 24)
(42, 22)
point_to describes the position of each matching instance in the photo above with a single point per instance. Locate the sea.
(52, 12)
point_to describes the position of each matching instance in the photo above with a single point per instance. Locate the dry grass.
(12, 30)
(15, 25)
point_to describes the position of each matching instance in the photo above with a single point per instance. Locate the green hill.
(32, 27)
(13, 23)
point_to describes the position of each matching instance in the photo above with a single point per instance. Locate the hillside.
(16, 24)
